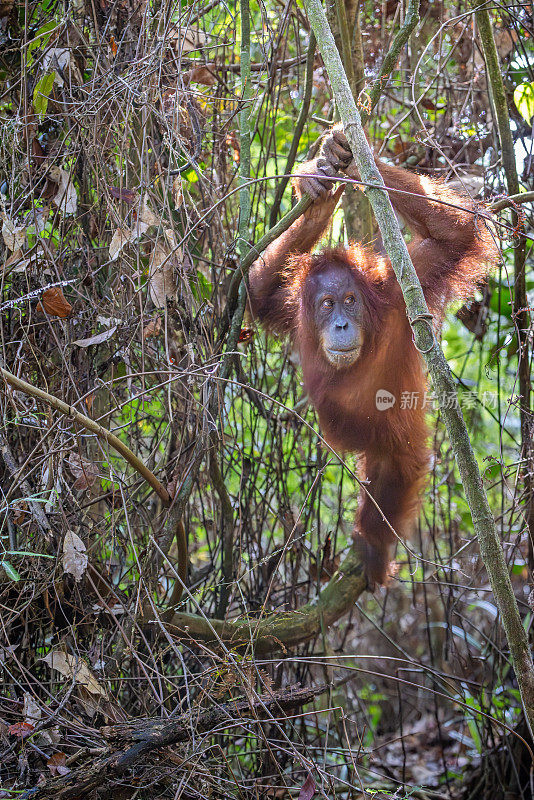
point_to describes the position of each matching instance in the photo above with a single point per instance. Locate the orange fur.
(451, 251)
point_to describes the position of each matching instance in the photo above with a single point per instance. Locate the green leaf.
(524, 100)
(28, 553)
(504, 306)
(40, 40)
(10, 571)
(205, 286)
(190, 175)
(41, 93)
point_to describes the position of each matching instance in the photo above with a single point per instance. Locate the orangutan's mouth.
(342, 358)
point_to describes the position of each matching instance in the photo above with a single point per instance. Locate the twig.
(174, 527)
(344, 37)
(357, 212)
(520, 310)
(150, 735)
(227, 535)
(511, 201)
(253, 253)
(244, 135)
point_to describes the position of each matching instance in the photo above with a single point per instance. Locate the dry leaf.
(123, 236)
(202, 75)
(153, 328)
(147, 217)
(308, 789)
(177, 192)
(19, 263)
(128, 195)
(32, 709)
(33, 715)
(161, 284)
(6, 7)
(85, 471)
(188, 40)
(65, 198)
(57, 764)
(19, 512)
(54, 302)
(171, 241)
(57, 59)
(119, 240)
(97, 338)
(329, 565)
(114, 712)
(505, 40)
(20, 729)
(71, 667)
(74, 556)
(90, 703)
(427, 103)
(399, 147)
(232, 140)
(14, 235)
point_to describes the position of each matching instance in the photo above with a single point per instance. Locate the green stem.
(344, 36)
(358, 61)
(356, 207)
(227, 535)
(239, 310)
(498, 94)
(299, 127)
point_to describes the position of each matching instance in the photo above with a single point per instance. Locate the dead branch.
(142, 737)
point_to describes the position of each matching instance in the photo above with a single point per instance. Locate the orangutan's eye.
(327, 304)
(349, 300)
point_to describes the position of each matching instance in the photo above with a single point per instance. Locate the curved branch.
(94, 427)
(280, 630)
(177, 528)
